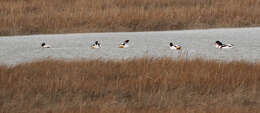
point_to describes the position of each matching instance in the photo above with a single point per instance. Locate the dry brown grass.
(146, 85)
(62, 16)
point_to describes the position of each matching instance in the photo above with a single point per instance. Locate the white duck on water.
(95, 45)
(45, 45)
(220, 45)
(124, 44)
(175, 47)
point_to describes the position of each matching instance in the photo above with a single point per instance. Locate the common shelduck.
(95, 45)
(220, 45)
(45, 46)
(124, 44)
(176, 47)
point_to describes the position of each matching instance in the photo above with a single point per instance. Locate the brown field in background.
(145, 85)
(19, 17)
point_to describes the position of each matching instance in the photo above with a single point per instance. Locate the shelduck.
(95, 45)
(45, 46)
(124, 44)
(220, 45)
(175, 47)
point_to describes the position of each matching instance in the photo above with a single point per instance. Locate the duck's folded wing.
(228, 45)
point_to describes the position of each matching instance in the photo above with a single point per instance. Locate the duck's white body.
(175, 47)
(227, 46)
(95, 46)
(46, 46)
(217, 46)
(123, 46)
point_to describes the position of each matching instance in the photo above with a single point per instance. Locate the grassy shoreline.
(157, 85)
(21, 17)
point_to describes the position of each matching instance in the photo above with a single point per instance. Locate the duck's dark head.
(126, 41)
(219, 43)
(43, 44)
(171, 44)
(96, 42)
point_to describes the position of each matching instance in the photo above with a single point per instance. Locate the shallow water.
(195, 43)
